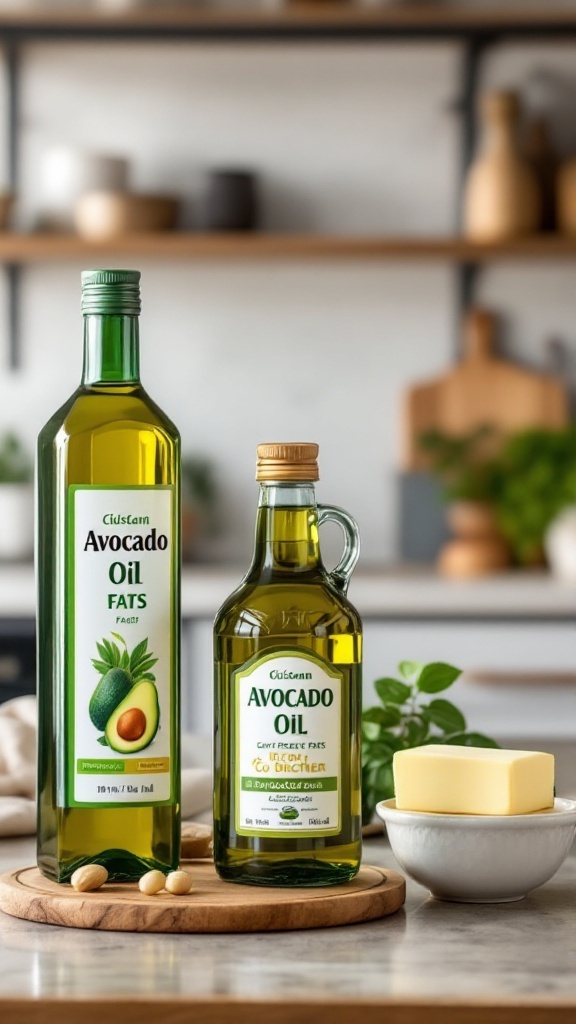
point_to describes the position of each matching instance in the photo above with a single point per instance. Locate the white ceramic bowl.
(473, 858)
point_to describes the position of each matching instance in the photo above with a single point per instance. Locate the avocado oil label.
(287, 745)
(119, 569)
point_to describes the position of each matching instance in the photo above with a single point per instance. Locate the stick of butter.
(473, 780)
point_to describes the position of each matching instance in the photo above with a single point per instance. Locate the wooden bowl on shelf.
(6, 204)
(102, 215)
(566, 196)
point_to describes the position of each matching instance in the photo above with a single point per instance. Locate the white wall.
(541, 706)
(346, 138)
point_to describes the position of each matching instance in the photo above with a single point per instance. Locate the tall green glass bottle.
(108, 568)
(288, 649)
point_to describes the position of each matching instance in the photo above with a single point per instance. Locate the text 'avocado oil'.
(108, 565)
(288, 649)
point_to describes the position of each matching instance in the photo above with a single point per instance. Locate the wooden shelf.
(44, 248)
(315, 18)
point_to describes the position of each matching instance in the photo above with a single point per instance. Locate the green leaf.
(393, 743)
(109, 654)
(392, 691)
(138, 653)
(384, 717)
(370, 731)
(410, 668)
(383, 750)
(100, 666)
(118, 637)
(116, 654)
(144, 666)
(103, 741)
(105, 654)
(416, 732)
(366, 757)
(470, 739)
(149, 676)
(125, 661)
(373, 761)
(141, 660)
(446, 716)
(383, 782)
(437, 676)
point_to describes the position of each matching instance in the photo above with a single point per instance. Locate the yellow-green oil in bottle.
(288, 651)
(111, 448)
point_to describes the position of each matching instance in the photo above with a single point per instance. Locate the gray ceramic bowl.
(473, 858)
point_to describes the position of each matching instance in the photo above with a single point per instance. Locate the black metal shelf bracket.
(473, 52)
(13, 271)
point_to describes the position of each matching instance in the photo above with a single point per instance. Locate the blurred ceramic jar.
(560, 545)
(502, 198)
(566, 197)
(66, 173)
(230, 201)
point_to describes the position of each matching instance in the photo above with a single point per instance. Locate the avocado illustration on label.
(123, 677)
(134, 723)
(289, 813)
(111, 689)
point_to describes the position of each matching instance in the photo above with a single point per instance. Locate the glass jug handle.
(340, 575)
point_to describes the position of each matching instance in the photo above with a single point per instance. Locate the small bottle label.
(120, 609)
(288, 745)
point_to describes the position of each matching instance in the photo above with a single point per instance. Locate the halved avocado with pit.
(134, 723)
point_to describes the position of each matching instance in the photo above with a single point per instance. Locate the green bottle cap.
(112, 292)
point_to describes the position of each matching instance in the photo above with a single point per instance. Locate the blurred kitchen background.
(356, 224)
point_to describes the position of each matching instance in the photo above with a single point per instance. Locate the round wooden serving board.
(211, 906)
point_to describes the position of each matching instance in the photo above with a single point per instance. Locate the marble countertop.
(385, 592)
(433, 962)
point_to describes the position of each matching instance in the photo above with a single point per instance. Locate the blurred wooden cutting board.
(481, 389)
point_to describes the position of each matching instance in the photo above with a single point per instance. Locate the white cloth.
(18, 719)
(18, 766)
